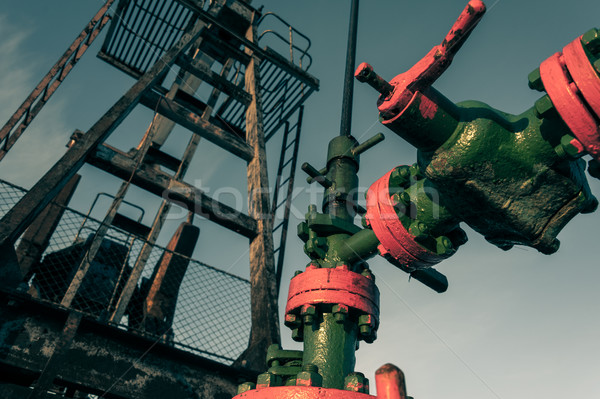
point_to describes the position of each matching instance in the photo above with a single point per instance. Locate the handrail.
(290, 41)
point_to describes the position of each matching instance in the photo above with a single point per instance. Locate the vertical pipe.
(346, 122)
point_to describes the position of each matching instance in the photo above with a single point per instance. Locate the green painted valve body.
(506, 176)
(516, 179)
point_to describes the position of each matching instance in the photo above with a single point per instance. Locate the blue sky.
(514, 324)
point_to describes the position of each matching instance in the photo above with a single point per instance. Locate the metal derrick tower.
(98, 308)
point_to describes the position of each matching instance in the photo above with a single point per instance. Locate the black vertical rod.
(346, 123)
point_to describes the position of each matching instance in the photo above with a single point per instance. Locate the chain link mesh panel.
(178, 300)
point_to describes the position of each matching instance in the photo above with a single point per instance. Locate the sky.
(514, 324)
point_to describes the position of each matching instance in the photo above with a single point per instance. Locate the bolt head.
(404, 197)
(309, 379)
(368, 274)
(591, 40)
(419, 230)
(245, 387)
(415, 171)
(356, 382)
(308, 313)
(340, 313)
(400, 177)
(597, 66)
(444, 246)
(535, 80)
(544, 107)
(292, 320)
(266, 380)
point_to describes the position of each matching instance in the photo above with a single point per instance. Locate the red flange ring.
(333, 286)
(573, 110)
(394, 238)
(587, 82)
(583, 73)
(302, 393)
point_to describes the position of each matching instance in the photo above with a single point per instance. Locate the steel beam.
(161, 183)
(194, 122)
(28, 208)
(104, 360)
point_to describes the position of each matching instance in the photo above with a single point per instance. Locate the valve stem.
(364, 73)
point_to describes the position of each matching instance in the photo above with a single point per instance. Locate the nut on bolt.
(591, 40)
(292, 320)
(356, 382)
(245, 387)
(309, 376)
(266, 380)
(535, 80)
(415, 171)
(544, 107)
(368, 274)
(366, 325)
(340, 313)
(418, 229)
(444, 246)
(400, 177)
(569, 147)
(308, 313)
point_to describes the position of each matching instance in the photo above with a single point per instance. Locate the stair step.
(130, 225)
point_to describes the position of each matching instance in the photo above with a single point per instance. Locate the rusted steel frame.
(162, 213)
(263, 288)
(162, 184)
(193, 122)
(52, 367)
(204, 72)
(20, 216)
(252, 45)
(161, 300)
(37, 237)
(162, 271)
(100, 354)
(94, 247)
(34, 103)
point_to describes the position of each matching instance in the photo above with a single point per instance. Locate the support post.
(265, 320)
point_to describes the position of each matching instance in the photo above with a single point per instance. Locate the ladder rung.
(286, 163)
(278, 226)
(290, 144)
(285, 181)
(281, 203)
(277, 250)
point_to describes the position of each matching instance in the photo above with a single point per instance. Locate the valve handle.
(398, 92)
(431, 67)
(373, 141)
(315, 175)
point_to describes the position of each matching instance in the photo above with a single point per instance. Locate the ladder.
(284, 187)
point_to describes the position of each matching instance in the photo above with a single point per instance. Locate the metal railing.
(211, 317)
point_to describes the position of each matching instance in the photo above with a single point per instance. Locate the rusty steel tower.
(95, 308)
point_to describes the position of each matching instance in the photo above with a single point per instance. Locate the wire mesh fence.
(178, 300)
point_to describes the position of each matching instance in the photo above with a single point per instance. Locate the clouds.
(43, 142)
